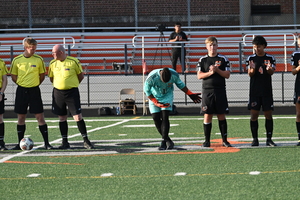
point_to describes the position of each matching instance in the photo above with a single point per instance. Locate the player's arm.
(203, 75)
(270, 69)
(4, 84)
(225, 74)
(80, 77)
(295, 68)
(157, 103)
(251, 68)
(194, 96)
(42, 77)
(14, 78)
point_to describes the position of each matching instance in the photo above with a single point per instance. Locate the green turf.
(150, 175)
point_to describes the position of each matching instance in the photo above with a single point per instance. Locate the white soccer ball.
(26, 144)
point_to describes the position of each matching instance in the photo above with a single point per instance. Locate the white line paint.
(58, 140)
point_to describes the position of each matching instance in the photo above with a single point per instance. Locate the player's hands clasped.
(159, 104)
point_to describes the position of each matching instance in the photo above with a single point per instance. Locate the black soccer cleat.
(255, 143)
(163, 145)
(17, 147)
(206, 144)
(48, 147)
(2, 146)
(88, 145)
(170, 145)
(270, 143)
(298, 144)
(226, 144)
(64, 145)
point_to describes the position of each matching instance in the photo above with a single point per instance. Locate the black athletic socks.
(254, 129)
(298, 129)
(1, 131)
(63, 127)
(269, 128)
(223, 129)
(82, 129)
(44, 132)
(21, 131)
(207, 131)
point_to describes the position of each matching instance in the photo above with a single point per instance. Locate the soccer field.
(126, 162)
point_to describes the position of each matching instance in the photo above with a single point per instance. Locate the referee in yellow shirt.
(3, 84)
(28, 72)
(65, 72)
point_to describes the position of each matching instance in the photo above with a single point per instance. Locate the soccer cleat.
(163, 145)
(270, 143)
(255, 143)
(17, 147)
(88, 145)
(170, 144)
(65, 145)
(206, 144)
(226, 144)
(2, 148)
(298, 144)
(48, 147)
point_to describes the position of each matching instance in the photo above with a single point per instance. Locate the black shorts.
(296, 97)
(63, 98)
(28, 97)
(2, 105)
(255, 103)
(214, 102)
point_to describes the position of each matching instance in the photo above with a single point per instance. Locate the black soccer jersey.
(214, 81)
(261, 81)
(295, 62)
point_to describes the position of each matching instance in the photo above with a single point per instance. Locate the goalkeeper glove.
(194, 96)
(158, 104)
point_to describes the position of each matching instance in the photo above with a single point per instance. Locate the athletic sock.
(269, 128)
(298, 129)
(44, 132)
(254, 129)
(207, 131)
(2, 131)
(223, 129)
(82, 129)
(63, 127)
(21, 131)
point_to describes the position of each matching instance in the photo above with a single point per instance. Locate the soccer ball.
(26, 144)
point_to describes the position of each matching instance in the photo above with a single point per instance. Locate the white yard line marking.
(58, 140)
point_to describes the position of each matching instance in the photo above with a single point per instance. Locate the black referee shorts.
(214, 101)
(61, 99)
(28, 97)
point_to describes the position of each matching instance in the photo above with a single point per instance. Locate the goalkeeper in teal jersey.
(159, 88)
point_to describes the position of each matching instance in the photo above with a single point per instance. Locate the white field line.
(58, 140)
(142, 119)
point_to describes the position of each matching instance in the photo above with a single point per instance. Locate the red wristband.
(189, 92)
(153, 100)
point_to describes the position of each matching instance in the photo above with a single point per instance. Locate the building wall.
(103, 13)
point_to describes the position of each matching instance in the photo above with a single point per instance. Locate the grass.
(127, 165)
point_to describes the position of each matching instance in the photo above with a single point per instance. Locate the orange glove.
(194, 96)
(158, 104)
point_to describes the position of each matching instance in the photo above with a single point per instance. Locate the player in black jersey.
(213, 69)
(295, 71)
(261, 67)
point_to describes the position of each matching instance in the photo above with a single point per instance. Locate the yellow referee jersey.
(65, 73)
(3, 71)
(28, 70)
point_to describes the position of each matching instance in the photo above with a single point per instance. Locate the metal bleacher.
(123, 52)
